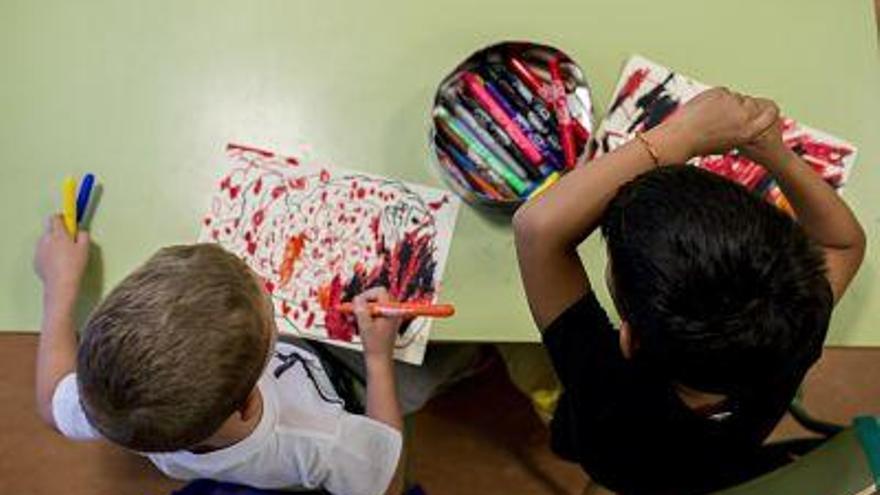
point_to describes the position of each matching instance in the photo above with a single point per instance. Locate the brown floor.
(481, 437)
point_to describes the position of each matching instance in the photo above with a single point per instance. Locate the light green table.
(146, 94)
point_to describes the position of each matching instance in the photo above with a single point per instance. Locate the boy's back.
(724, 300)
(180, 363)
(304, 437)
(630, 429)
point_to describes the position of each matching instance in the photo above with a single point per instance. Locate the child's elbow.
(527, 224)
(861, 238)
(856, 244)
(44, 410)
(860, 244)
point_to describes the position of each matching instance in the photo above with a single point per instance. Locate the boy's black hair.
(722, 290)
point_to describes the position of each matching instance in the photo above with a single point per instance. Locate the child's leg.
(444, 364)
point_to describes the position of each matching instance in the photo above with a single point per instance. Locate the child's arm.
(60, 263)
(820, 211)
(378, 335)
(549, 228)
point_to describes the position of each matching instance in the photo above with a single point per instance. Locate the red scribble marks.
(207, 221)
(361, 192)
(374, 228)
(825, 158)
(215, 234)
(258, 186)
(285, 308)
(226, 185)
(278, 191)
(736, 168)
(629, 87)
(292, 251)
(270, 287)
(298, 183)
(339, 326)
(310, 320)
(233, 146)
(436, 205)
(258, 218)
(323, 196)
(292, 161)
(807, 146)
(325, 175)
(407, 271)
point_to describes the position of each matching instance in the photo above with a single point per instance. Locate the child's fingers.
(767, 117)
(361, 311)
(54, 223)
(379, 294)
(83, 238)
(767, 105)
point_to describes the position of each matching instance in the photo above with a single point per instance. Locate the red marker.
(475, 87)
(404, 309)
(537, 86)
(562, 116)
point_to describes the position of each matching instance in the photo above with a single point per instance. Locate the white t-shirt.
(301, 440)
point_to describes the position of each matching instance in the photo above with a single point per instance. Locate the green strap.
(868, 430)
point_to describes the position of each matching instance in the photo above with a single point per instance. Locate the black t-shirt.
(631, 432)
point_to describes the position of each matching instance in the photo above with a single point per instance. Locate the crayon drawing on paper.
(648, 93)
(319, 235)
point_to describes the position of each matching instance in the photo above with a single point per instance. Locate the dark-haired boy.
(724, 300)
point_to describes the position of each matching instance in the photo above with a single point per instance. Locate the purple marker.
(546, 127)
(485, 121)
(530, 133)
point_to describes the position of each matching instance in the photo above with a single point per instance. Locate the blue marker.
(82, 200)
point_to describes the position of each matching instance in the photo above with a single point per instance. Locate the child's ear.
(251, 405)
(628, 342)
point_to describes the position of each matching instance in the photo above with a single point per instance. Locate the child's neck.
(236, 428)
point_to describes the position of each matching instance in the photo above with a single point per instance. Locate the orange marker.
(405, 309)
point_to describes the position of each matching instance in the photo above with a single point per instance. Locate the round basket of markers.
(508, 121)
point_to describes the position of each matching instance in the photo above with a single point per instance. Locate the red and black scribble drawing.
(318, 236)
(648, 93)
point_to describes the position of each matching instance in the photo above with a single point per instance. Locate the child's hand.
(378, 333)
(59, 261)
(717, 120)
(767, 148)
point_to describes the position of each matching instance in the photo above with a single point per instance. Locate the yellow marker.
(549, 181)
(68, 205)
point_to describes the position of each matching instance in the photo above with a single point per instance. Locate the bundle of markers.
(508, 122)
(75, 205)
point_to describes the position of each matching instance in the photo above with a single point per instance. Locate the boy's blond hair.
(174, 349)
